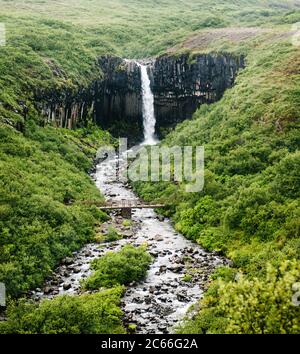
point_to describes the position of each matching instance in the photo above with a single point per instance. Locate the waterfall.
(148, 108)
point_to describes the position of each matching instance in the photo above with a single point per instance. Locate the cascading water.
(149, 120)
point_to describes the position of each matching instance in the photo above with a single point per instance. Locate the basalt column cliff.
(180, 84)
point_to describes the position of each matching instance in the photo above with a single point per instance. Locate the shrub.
(85, 314)
(112, 235)
(114, 268)
(251, 306)
(37, 228)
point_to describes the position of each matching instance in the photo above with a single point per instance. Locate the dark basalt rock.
(180, 84)
(118, 101)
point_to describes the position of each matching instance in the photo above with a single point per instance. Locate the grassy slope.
(44, 34)
(40, 171)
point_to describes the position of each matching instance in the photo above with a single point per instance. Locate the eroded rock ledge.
(182, 83)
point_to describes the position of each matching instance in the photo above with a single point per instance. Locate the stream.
(161, 300)
(180, 270)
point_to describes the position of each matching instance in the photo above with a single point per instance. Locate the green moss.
(187, 278)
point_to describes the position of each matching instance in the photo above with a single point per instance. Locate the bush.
(114, 268)
(256, 306)
(112, 235)
(85, 314)
(37, 228)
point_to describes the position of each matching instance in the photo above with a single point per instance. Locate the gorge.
(180, 84)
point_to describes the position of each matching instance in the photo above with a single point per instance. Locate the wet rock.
(162, 269)
(67, 286)
(138, 300)
(153, 253)
(151, 289)
(48, 290)
(148, 300)
(127, 233)
(229, 263)
(158, 238)
(67, 261)
(181, 297)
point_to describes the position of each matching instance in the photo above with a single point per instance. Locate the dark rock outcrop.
(118, 101)
(180, 84)
(64, 108)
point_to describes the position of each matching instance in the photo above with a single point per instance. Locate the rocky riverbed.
(176, 279)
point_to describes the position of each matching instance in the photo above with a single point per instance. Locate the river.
(159, 301)
(180, 270)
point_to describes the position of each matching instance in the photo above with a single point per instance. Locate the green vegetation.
(118, 268)
(85, 314)
(43, 182)
(187, 277)
(127, 223)
(249, 208)
(112, 235)
(256, 306)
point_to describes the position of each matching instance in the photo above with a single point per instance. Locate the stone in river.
(67, 261)
(48, 290)
(158, 238)
(67, 286)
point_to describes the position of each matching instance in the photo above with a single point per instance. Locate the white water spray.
(149, 120)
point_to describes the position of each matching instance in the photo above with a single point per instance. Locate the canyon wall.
(118, 99)
(64, 108)
(180, 84)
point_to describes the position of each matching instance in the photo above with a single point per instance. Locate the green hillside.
(249, 209)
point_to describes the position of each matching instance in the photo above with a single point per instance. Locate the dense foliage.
(118, 268)
(256, 306)
(84, 314)
(42, 172)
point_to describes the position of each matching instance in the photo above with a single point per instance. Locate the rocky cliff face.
(66, 110)
(118, 99)
(182, 83)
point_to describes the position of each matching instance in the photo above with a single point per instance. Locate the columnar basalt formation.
(118, 100)
(66, 109)
(182, 83)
